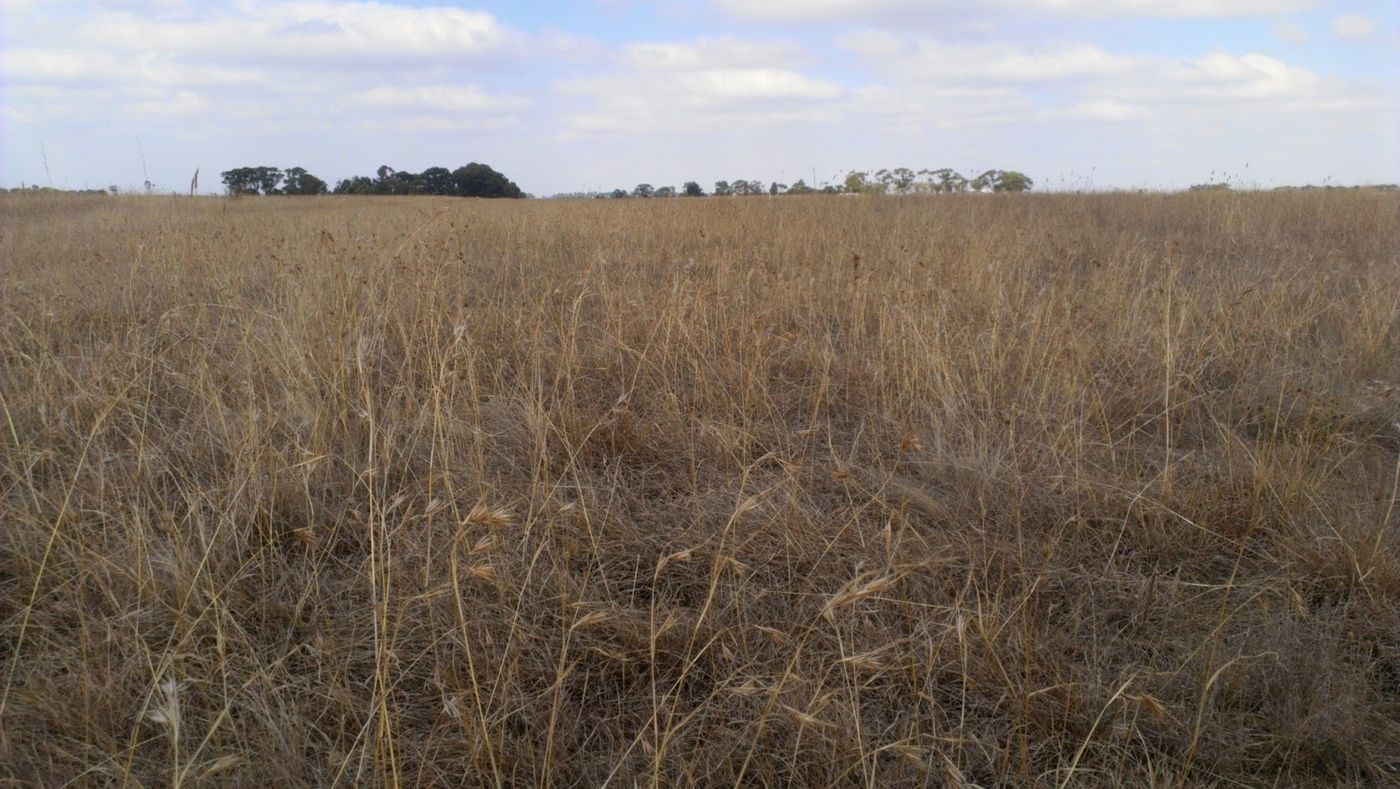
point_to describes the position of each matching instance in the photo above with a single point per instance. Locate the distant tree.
(776, 188)
(251, 180)
(723, 189)
(946, 180)
(885, 179)
(239, 181)
(800, 188)
(618, 194)
(902, 179)
(403, 182)
(267, 179)
(437, 181)
(692, 189)
(300, 182)
(114, 189)
(355, 185)
(644, 190)
(986, 181)
(1012, 181)
(479, 180)
(858, 181)
(665, 191)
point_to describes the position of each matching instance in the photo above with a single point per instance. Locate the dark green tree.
(984, 181)
(479, 180)
(723, 189)
(355, 185)
(902, 179)
(300, 182)
(251, 180)
(1012, 181)
(744, 188)
(858, 181)
(436, 181)
(692, 189)
(946, 180)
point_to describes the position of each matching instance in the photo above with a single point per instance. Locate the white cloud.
(875, 44)
(705, 83)
(918, 85)
(370, 33)
(726, 51)
(707, 98)
(941, 63)
(791, 11)
(58, 66)
(1292, 32)
(1353, 27)
(1105, 110)
(1226, 77)
(443, 98)
(1087, 81)
(431, 123)
(255, 62)
(745, 84)
(182, 103)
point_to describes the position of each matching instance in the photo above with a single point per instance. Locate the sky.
(580, 95)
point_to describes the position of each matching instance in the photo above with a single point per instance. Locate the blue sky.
(568, 95)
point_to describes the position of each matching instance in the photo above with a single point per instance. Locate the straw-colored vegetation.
(1061, 490)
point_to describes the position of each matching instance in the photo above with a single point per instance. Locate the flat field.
(996, 490)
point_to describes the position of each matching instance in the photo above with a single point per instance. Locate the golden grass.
(1028, 490)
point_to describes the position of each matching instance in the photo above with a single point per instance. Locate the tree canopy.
(253, 180)
(470, 180)
(890, 181)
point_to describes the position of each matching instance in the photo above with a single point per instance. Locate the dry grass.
(1061, 490)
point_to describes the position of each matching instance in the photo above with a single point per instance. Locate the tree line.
(900, 180)
(471, 180)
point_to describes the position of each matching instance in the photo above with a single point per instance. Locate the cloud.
(934, 61)
(1105, 110)
(906, 83)
(704, 83)
(1087, 81)
(1225, 77)
(182, 103)
(368, 33)
(1353, 27)
(726, 51)
(431, 123)
(1292, 32)
(799, 11)
(65, 66)
(250, 62)
(467, 99)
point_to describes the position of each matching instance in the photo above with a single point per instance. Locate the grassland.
(1023, 490)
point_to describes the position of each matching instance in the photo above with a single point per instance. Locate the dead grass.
(1036, 490)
